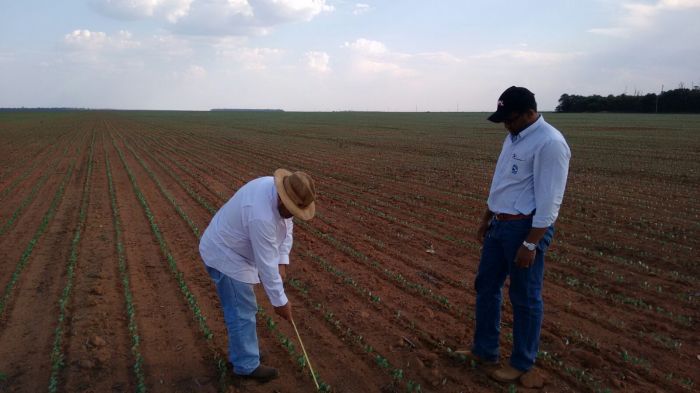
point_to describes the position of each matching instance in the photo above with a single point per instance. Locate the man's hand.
(524, 257)
(285, 311)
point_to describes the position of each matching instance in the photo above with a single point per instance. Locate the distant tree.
(680, 100)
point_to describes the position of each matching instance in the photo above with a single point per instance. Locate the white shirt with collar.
(531, 174)
(247, 238)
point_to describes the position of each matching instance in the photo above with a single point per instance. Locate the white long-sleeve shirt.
(531, 174)
(247, 238)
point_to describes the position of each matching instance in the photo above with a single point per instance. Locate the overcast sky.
(390, 55)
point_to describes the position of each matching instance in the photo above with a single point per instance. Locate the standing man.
(516, 229)
(247, 242)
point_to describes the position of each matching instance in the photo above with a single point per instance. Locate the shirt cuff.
(542, 222)
(279, 302)
(284, 260)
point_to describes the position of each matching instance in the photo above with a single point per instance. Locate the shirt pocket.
(520, 166)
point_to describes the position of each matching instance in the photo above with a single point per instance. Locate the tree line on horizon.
(681, 100)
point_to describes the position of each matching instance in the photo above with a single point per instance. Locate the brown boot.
(262, 374)
(507, 374)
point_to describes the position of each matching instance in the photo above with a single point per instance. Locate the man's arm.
(286, 248)
(484, 225)
(267, 257)
(551, 170)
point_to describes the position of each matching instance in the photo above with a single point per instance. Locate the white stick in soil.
(313, 375)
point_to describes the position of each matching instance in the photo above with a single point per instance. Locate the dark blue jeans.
(501, 244)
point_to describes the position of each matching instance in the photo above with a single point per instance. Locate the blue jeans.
(501, 244)
(239, 305)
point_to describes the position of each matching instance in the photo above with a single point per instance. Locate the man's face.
(283, 209)
(516, 121)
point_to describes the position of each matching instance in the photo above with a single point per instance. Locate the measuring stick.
(313, 375)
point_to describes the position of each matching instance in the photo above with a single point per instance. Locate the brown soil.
(381, 280)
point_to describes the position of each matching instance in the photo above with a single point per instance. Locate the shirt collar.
(528, 130)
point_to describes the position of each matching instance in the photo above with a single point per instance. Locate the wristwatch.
(529, 246)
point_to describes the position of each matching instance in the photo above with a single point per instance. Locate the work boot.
(507, 374)
(262, 374)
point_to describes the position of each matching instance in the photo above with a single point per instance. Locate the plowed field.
(103, 289)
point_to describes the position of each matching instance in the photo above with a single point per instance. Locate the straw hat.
(297, 191)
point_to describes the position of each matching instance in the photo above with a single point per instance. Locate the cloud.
(373, 57)
(530, 57)
(361, 8)
(439, 57)
(271, 12)
(97, 40)
(223, 18)
(254, 59)
(216, 17)
(169, 46)
(640, 16)
(171, 10)
(194, 73)
(318, 61)
(365, 46)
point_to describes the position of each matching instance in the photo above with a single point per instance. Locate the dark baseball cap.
(514, 99)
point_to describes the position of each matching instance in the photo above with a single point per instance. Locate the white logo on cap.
(500, 102)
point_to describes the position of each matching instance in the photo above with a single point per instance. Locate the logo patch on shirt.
(514, 169)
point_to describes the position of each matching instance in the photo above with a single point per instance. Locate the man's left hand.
(283, 272)
(524, 257)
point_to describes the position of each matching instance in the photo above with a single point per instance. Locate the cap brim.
(303, 214)
(497, 117)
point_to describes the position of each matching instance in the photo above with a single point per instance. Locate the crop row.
(57, 356)
(176, 273)
(288, 344)
(355, 338)
(128, 295)
(26, 200)
(26, 254)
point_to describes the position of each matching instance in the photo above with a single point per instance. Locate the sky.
(336, 55)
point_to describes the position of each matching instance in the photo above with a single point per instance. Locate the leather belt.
(511, 217)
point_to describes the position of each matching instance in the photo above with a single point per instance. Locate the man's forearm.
(535, 235)
(486, 217)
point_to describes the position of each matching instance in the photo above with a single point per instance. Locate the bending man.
(248, 242)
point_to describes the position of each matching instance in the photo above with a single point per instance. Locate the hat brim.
(306, 213)
(497, 117)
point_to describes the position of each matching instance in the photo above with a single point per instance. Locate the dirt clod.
(97, 341)
(532, 379)
(86, 364)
